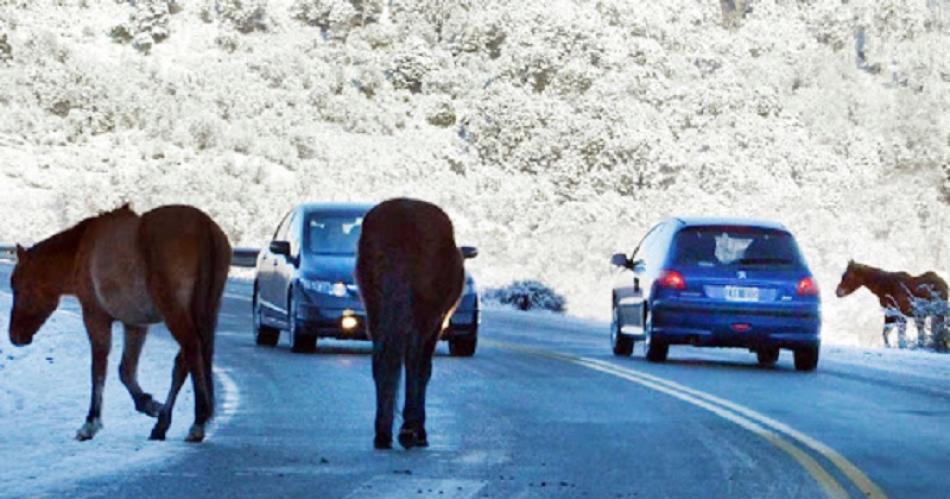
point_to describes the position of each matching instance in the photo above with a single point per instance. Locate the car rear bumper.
(729, 325)
(325, 322)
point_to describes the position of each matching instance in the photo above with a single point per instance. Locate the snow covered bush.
(526, 295)
(938, 311)
(245, 16)
(410, 65)
(337, 17)
(6, 51)
(147, 24)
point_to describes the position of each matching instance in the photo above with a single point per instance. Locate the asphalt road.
(543, 409)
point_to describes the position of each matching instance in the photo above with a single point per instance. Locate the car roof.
(730, 221)
(335, 207)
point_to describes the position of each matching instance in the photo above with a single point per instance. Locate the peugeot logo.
(742, 274)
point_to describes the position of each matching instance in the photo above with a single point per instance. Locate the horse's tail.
(206, 300)
(392, 332)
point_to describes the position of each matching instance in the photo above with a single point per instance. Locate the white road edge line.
(237, 297)
(229, 403)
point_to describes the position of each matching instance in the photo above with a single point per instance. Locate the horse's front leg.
(888, 325)
(128, 370)
(99, 329)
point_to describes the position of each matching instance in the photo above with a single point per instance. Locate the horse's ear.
(20, 252)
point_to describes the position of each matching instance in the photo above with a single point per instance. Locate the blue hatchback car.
(720, 283)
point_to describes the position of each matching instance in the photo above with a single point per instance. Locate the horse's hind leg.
(386, 363)
(189, 361)
(921, 323)
(179, 372)
(940, 330)
(128, 370)
(418, 373)
(200, 382)
(99, 329)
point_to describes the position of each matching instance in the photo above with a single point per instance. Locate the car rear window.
(735, 246)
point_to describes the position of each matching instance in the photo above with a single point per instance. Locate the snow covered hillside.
(555, 132)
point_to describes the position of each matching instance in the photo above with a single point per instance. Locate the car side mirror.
(620, 260)
(469, 252)
(638, 266)
(280, 248)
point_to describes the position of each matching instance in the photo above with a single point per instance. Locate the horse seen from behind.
(903, 295)
(169, 264)
(411, 275)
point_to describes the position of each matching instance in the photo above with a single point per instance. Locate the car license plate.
(741, 293)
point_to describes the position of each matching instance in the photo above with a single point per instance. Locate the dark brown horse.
(169, 264)
(410, 275)
(899, 293)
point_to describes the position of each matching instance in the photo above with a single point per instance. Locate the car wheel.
(263, 335)
(767, 356)
(621, 345)
(463, 347)
(806, 359)
(299, 342)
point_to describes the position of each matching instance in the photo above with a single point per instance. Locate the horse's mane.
(68, 239)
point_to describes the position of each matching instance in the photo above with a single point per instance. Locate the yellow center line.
(757, 423)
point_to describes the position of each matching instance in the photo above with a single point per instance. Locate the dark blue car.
(721, 283)
(304, 282)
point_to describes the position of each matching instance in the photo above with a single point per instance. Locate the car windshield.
(333, 234)
(735, 246)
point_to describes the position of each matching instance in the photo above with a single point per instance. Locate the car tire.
(263, 335)
(621, 345)
(657, 350)
(767, 356)
(299, 342)
(463, 347)
(806, 359)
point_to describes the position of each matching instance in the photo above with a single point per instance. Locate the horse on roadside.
(410, 275)
(168, 264)
(901, 294)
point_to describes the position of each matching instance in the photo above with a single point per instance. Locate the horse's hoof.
(148, 406)
(382, 443)
(196, 434)
(157, 434)
(88, 430)
(409, 438)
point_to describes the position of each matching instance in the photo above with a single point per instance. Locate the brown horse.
(169, 264)
(410, 276)
(899, 293)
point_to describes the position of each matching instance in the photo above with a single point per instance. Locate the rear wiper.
(765, 261)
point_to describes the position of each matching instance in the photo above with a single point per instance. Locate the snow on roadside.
(917, 363)
(44, 396)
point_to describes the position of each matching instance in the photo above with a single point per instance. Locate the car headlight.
(469, 288)
(337, 289)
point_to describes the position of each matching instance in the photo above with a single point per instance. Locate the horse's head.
(33, 300)
(850, 280)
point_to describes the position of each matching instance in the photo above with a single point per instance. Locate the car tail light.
(672, 279)
(807, 287)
